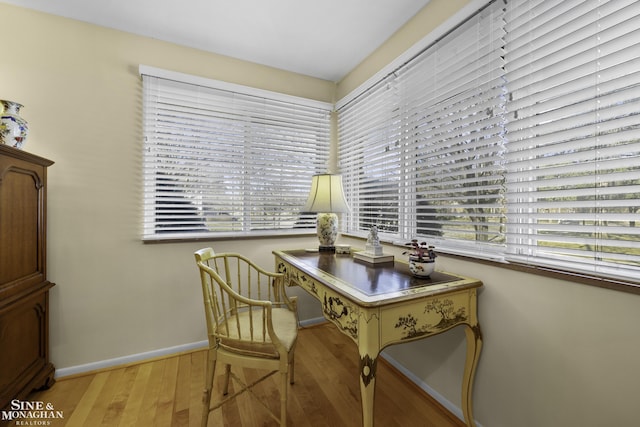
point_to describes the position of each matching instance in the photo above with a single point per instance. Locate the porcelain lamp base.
(327, 228)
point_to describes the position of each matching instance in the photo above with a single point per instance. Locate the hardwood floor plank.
(105, 396)
(339, 383)
(198, 364)
(80, 416)
(122, 393)
(131, 411)
(151, 397)
(166, 395)
(183, 392)
(313, 399)
(167, 392)
(183, 386)
(71, 394)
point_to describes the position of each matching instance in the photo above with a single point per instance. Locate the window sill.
(591, 280)
(210, 237)
(601, 282)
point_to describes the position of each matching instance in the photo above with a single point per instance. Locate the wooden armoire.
(24, 288)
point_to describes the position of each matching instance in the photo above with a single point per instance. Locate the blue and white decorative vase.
(13, 128)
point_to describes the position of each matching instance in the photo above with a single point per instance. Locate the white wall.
(556, 353)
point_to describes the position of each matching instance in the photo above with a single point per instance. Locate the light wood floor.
(167, 392)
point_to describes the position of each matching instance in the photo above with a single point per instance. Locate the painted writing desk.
(383, 304)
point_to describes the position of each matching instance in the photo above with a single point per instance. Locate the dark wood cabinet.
(24, 288)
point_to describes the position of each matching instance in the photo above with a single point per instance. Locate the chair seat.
(285, 326)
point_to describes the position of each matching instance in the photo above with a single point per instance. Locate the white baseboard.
(424, 386)
(311, 322)
(94, 366)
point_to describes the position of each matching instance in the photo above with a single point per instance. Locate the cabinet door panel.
(22, 332)
(20, 222)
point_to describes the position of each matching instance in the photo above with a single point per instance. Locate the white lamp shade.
(326, 195)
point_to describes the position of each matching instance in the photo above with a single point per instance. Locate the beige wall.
(556, 353)
(81, 92)
(425, 21)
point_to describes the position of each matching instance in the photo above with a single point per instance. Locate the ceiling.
(319, 38)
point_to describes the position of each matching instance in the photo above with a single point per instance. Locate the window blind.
(223, 162)
(454, 107)
(421, 151)
(370, 152)
(573, 145)
(514, 136)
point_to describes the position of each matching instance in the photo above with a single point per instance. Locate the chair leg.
(292, 370)
(227, 378)
(283, 399)
(208, 386)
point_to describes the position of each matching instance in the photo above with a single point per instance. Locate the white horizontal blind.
(573, 140)
(421, 152)
(370, 153)
(453, 102)
(220, 162)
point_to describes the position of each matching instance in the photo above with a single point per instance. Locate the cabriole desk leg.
(474, 345)
(369, 348)
(368, 365)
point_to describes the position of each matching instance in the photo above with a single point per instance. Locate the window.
(226, 160)
(421, 151)
(515, 136)
(573, 135)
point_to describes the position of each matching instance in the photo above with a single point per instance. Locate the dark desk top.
(371, 283)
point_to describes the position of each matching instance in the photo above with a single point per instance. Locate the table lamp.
(326, 198)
